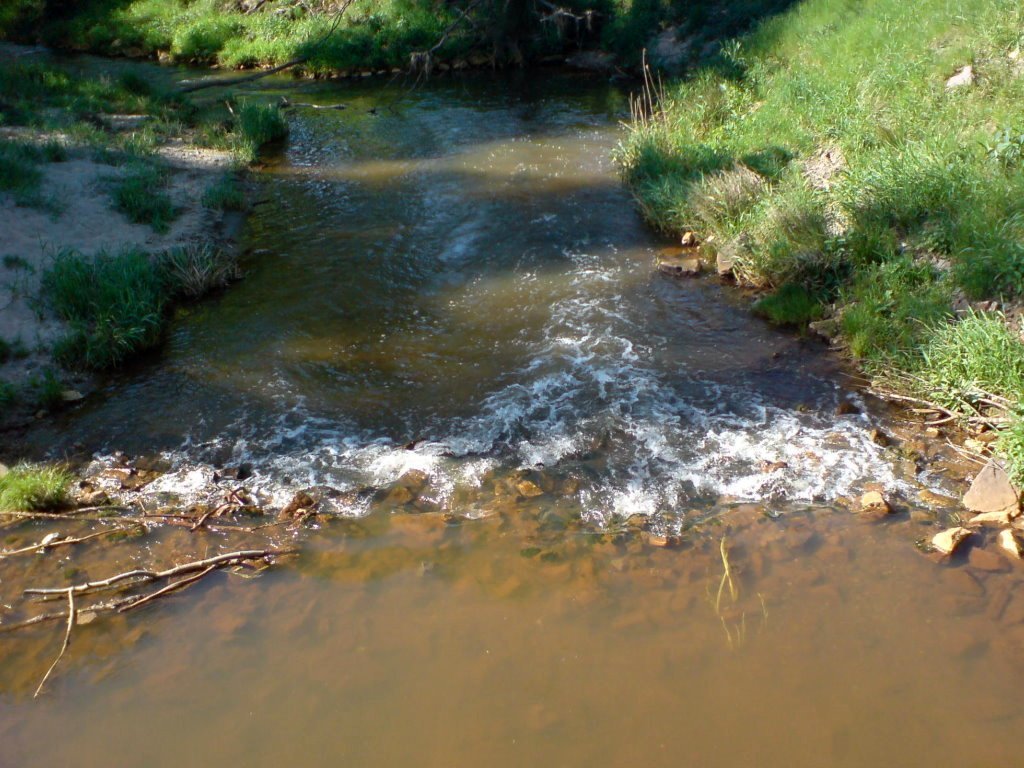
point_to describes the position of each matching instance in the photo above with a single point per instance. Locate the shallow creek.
(451, 316)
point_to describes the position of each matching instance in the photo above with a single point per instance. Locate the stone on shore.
(1001, 518)
(992, 491)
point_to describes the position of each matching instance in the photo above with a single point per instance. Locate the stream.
(452, 320)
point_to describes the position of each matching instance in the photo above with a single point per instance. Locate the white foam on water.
(591, 402)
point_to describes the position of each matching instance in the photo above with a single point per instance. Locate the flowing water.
(452, 326)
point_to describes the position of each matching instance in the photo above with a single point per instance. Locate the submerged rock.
(946, 542)
(991, 491)
(681, 266)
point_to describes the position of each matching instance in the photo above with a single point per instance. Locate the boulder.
(947, 541)
(991, 491)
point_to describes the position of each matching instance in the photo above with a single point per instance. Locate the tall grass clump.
(113, 303)
(196, 269)
(971, 365)
(28, 487)
(255, 126)
(138, 193)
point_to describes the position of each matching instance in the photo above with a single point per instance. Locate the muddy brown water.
(451, 314)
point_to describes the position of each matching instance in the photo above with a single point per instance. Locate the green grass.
(225, 194)
(139, 194)
(257, 125)
(30, 487)
(195, 270)
(374, 35)
(20, 174)
(114, 305)
(792, 304)
(922, 196)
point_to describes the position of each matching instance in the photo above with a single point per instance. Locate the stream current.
(451, 315)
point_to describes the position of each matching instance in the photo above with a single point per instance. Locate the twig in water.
(144, 576)
(174, 586)
(67, 640)
(57, 543)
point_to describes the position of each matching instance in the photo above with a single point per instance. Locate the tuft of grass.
(114, 305)
(196, 269)
(31, 487)
(225, 194)
(963, 363)
(19, 171)
(791, 304)
(257, 125)
(138, 194)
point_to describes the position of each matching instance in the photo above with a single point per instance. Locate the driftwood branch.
(67, 640)
(144, 576)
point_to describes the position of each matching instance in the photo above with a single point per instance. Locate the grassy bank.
(845, 160)
(376, 35)
(144, 156)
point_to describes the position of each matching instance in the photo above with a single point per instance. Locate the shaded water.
(458, 285)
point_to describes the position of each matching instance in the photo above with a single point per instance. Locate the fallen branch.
(145, 577)
(67, 640)
(172, 587)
